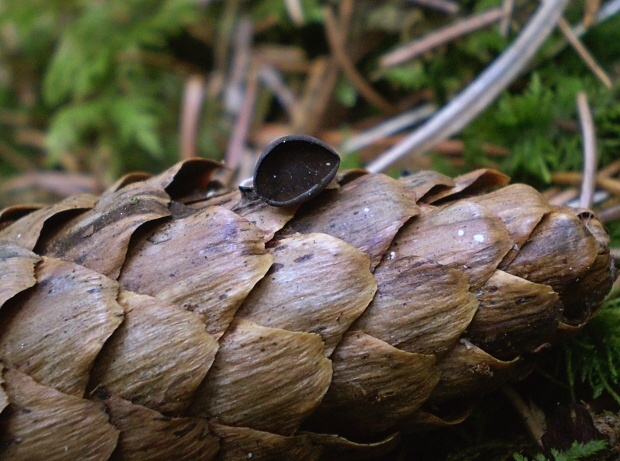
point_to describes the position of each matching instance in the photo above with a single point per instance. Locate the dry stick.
(610, 170)
(336, 45)
(242, 125)
(273, 80)
(442, 5)
(388, 127)
(309, 111)
(589, 151)
(531, 424)
(58, 183)
(590, 11)
(190, 115)
(574, 178)
(605, 12)
(507, 10)
(240, 64)
(583, 53)
(610, 213)
(481, 92)
(609, 9)
(225, 33)
(323, 73)
(443, 35)
(295, 12)
(240, 100)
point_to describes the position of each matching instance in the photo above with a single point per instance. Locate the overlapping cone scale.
(166, 319)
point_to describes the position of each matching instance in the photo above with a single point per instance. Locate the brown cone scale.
(165, 320)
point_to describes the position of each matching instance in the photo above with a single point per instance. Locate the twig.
(574, 178)
(242, 125)
(507, 10)
(583, 53)
(443, 35)
(605, 12)
(240, 99)
(336, 44)
(533, 427)
(240, 64)
(481, 92)
(295, 12)
(610, 213)
(273, 80)
(388, 128)
(609, 9)
(442, 5)
(590, 10)
(284, 58)
(225, 33)
(308, 113)
(589, 151)
(564, 197)
(190, 115)
(57, 183)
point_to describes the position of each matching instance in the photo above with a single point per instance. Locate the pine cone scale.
(158, 369)
(57, 346)
(420, 306)
(205, 262)
(514, 316)
(294, 296)
(26, 230)
(18, 270)
(264, 378)
(204, 325)
(47, 421)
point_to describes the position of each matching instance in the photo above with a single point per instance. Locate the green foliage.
(345, 93)
(528, 123)
(97, 90)
(410, 77)
(577, 451)
(593, 357)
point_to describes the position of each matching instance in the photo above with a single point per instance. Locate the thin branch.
(273, 80)
(583, 53)
(190, 115)
(295, 12)
(241, 61)
(609, 9)
(529, 419)
(507, 10)
(442, 5)
(591, 9)
(610, 213)
(336, 44)
(57, 183)
(388, 127)
(310, 109)
(441, 36)
(242, 125)
(589, 151)
(481, 92)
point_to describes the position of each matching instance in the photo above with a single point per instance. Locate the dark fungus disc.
(294, 169)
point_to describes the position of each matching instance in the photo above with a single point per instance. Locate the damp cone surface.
(163, 320)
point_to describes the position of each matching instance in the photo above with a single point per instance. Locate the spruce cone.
(169, 320)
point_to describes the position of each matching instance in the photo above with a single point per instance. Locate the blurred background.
(90, 90)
